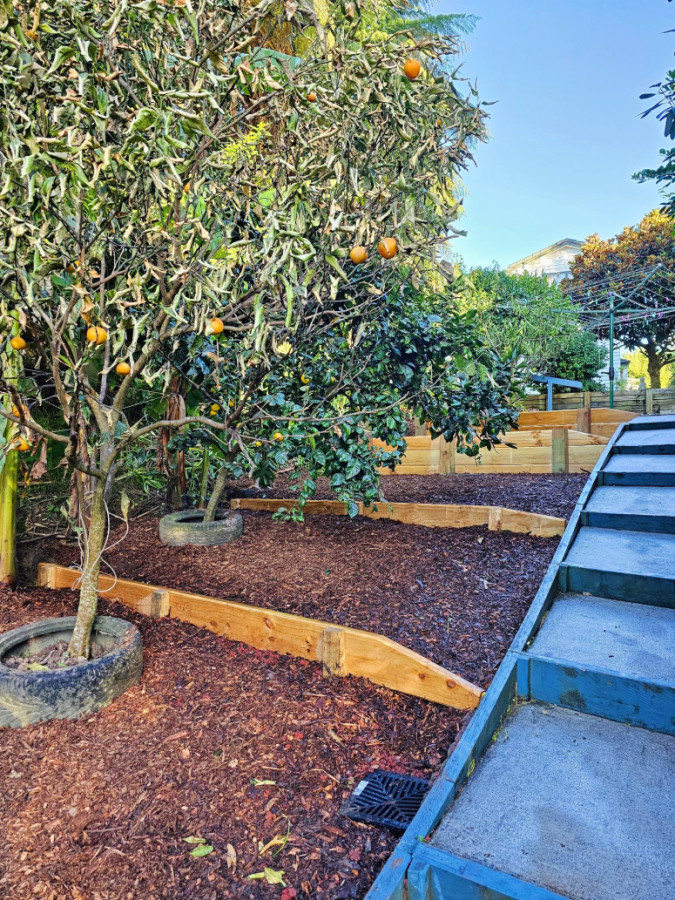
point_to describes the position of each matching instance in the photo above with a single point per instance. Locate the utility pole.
(611, 352)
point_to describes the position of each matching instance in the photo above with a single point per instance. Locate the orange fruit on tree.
(18, 343)
(311, 96)
(358, 255)
(412, 69)
(257, 443)
(96, 334)
(387, 248)
(123, 368)
(277, 436)
(215, 326)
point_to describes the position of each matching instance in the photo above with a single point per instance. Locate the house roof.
(569, 244)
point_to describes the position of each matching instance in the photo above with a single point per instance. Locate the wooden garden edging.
(534, 450)
(341, 650)
(432, 515)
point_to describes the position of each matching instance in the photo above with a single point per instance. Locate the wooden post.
(46, 575)
(587, 399)
(156, 605)
(447, 457)
(584, 420)
(495, 518)
(560, 455)
(333, 651)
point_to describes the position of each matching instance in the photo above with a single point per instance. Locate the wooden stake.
(156, 605)
(560, 456)
(583, 422)
(333, 651)
(495, 518)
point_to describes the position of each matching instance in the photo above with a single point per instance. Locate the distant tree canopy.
(638, 368)
(638, 247)
(581, 360)
(526, 317)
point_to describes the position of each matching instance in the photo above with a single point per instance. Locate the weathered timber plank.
(410, 470)
(543, 437)
(431, 515)
(367, 655)
(488, 468)
(583, 459)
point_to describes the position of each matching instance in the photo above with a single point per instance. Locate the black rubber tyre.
(27, 697)
(188, 527)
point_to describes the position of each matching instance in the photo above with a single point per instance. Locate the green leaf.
(194, 840)
(61, 55)
(202, 850)
(271, 876)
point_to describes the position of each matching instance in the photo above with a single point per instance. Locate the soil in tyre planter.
(27, 697)
(186, 527)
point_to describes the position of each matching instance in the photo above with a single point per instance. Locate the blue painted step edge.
(632, 588)
(597, 692)
(629, 521)
(438, 875)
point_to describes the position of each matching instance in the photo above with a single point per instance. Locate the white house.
(554, 262)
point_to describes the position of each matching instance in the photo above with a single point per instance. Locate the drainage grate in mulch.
(386, 798)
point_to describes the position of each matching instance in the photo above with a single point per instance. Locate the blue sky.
(565, 134)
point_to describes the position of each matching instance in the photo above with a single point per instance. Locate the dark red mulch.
(457, 596)
(97, 809)
(553, 495)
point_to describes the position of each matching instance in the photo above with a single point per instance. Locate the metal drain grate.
(385, 798)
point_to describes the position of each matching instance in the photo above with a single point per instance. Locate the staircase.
(563, 784)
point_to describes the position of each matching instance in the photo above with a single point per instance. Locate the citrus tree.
(336, 385)
(173, 187)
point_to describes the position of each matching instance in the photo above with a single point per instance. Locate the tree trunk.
(86, 611)
(8, 494)
(653, 367)
(174, 469)
(214, 500)
(204, 479)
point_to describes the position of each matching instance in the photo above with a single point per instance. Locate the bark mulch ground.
(553, 495)
(457, 596)
(98, 809)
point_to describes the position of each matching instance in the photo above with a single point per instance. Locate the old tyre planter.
(188, 527)
(67, 693)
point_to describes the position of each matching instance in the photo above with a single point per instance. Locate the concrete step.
(621, 565)
(630, 639)
(571, 803)
(632, 508)
(639, 469)
(647, 440)
(648, 422)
